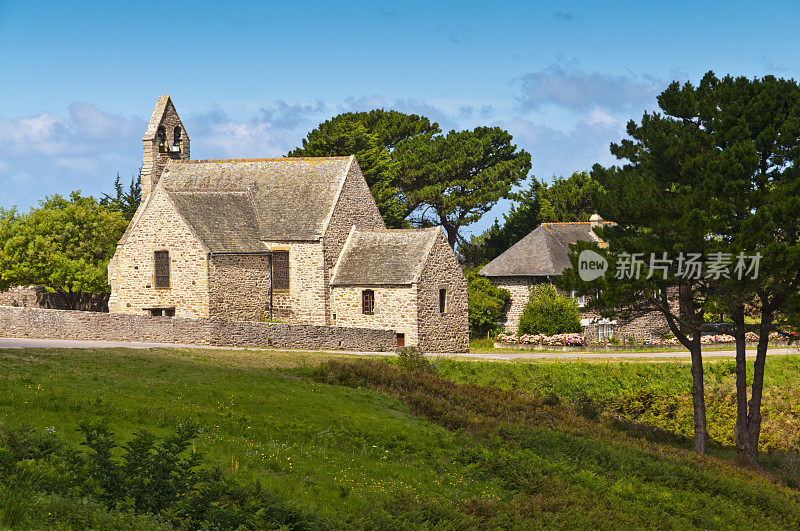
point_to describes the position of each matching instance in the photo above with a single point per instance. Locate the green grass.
(655, 394)
(365, 444)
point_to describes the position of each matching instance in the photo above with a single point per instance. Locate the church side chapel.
(295, 240)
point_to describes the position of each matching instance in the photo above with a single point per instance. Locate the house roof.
(543, 252)
(385, 256)
(234, 204)
(224, 222)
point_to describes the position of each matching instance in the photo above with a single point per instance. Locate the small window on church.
(280, 270)
(368, 302)
(161, 137)
(442, 300)
(177, 135)
(161, 261)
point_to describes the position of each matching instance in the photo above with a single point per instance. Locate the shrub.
(486, 305)
(146, 483)
(412, 359)
(549, 313)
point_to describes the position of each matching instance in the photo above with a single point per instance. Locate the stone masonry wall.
(25, 296)
(305, 300)
(131, 272)
(354, 207)
(520, 289)
(239, 287)
(72, 324)
(153, 162)
(651, 325)
(395, 308)
(449, 331)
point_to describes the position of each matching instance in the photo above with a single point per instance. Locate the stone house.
(263, 239)
(544, 254)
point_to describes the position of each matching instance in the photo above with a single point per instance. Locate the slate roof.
(225, 222)
(543, 252)
(386, 256)
(234, 204)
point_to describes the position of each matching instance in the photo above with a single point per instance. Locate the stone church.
(296, 240)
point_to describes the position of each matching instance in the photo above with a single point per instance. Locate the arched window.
(161, 137)
(177, 135)
(368, 302)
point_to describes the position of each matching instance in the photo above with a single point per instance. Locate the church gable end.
(133, 275)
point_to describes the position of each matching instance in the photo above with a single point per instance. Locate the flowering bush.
(561, 340)
(577, 340)
(671, 341)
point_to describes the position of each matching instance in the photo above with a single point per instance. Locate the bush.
(549, 313)
(146, 483)
(487, 304)
(412, 359)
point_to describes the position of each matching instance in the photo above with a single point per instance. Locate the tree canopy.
(569, 199)
(63, 244)
(453, 179)
(124, 200)
(746, 133)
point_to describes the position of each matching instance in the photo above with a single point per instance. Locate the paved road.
(15, 343)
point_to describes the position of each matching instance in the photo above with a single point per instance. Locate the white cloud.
(578, 90)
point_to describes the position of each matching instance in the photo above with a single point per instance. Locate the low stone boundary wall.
(72, 324)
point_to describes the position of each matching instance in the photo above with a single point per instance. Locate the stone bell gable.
(262, 239)
(164, 139)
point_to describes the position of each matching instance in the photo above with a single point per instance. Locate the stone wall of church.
(354, 207)
(446, 331)
(131, 272)
(239, 287)
(305, 300)
(395, 308)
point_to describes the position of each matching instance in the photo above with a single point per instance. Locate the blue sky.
(78, 80)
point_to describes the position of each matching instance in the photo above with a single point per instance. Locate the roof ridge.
(566, 223)
(265, 159)
(227, 191)
(422, 229)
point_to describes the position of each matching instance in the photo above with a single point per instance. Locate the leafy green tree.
(487, 304)
(125, 201)
(569, 199)
(747, 136)
(549, 313)
(452, 180)
(64, 245)
(662, 202)
(372, 137)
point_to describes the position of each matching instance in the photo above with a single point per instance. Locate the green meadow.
(321, 441)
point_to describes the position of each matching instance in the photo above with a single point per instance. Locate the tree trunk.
(754, 413)
(452, 235)
(741, 428)
(698, 397)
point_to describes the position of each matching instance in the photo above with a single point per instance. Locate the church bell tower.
(164, 139)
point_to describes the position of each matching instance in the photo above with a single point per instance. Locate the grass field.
(340, 442)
